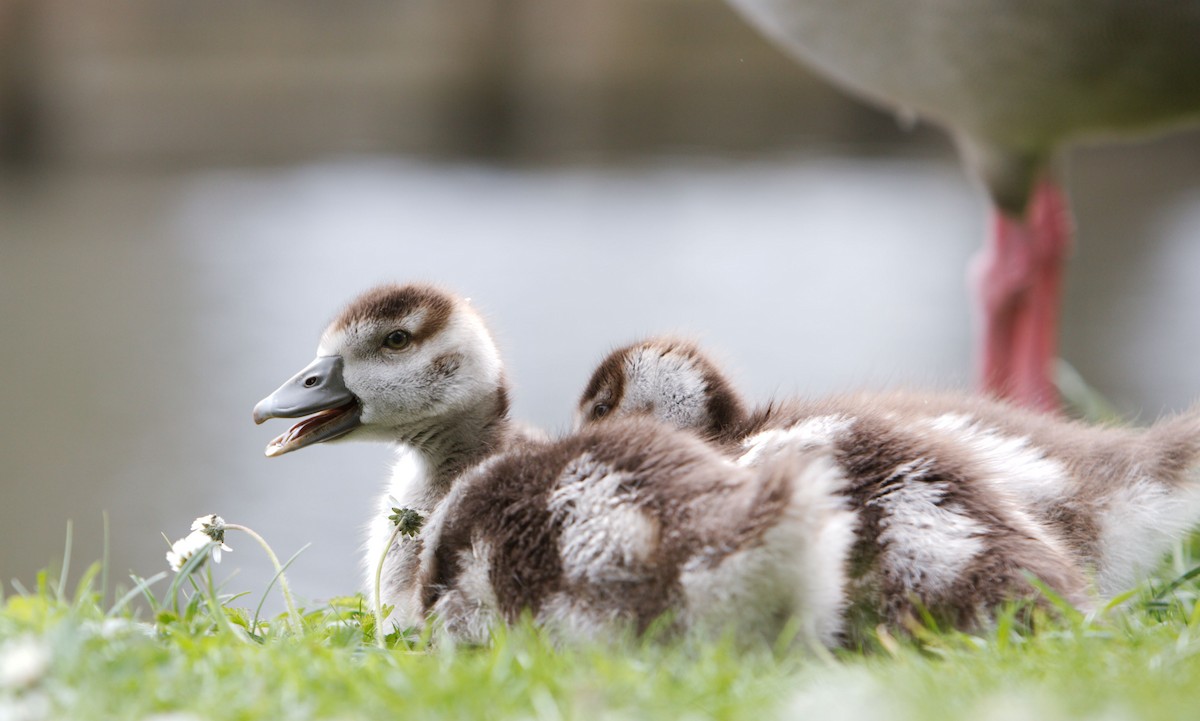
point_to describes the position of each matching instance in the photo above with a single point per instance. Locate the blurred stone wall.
(166, 82)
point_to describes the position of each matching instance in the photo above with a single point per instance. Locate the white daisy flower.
(191, 544)
(212, 526)
(23, 662)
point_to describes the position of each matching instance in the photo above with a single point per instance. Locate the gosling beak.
(318, 392)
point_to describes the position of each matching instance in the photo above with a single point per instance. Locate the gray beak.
(319, 392)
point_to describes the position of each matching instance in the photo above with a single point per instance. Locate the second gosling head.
(668, 379)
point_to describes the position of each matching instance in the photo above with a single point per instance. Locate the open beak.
(319, 395)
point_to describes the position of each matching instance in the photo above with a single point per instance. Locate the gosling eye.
(397, 340)
(600, 410)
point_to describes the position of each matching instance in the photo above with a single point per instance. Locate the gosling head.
(401, 363)
(667, 379)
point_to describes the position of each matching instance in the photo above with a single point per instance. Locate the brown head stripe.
(611, 375)
(394, 302)
(726, 411)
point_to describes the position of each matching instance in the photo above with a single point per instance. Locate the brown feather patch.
(397, 303)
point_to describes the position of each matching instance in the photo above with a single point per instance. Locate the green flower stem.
(379, 634)
(210, 593)
(293, 615)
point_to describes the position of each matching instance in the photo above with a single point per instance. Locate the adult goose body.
(1012, 81)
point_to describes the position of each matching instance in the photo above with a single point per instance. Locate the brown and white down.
(952, 494)
(614, 526)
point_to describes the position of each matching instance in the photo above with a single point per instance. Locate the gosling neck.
(452, 442)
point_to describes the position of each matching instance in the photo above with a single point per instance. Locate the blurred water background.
(189, 191)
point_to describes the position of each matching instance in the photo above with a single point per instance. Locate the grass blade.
(1173, 585)
(66, 564)
(261, 601)
(1065, 607)
(83, 589)
(1119, 599)
(140, 586)
(104, 562)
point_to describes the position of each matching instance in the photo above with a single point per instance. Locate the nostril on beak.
(311, 381)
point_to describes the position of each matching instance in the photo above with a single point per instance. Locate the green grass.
(171, 652)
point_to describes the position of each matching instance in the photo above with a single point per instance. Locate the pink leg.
(1018, 281)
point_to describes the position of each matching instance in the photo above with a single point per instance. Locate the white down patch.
(1016, 472)
(669, 385)
(605, 536)
(467, 612)
(811, 434)
(1138, 526)
(926, 545)
(797, 570)
(1018, 467)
